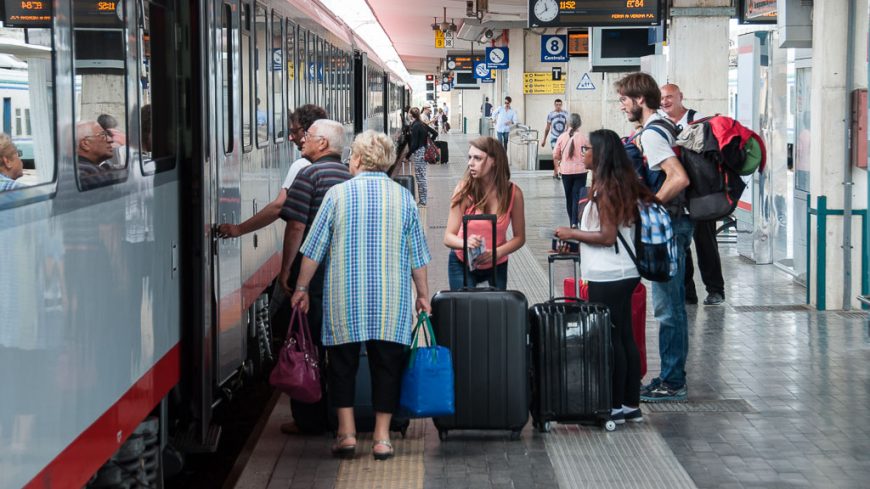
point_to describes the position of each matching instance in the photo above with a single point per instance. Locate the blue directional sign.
(554, 49)
(497, 58)
(482, 71)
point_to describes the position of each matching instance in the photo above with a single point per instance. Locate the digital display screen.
(98, 14)
(18, 13)
(602, 13)
(578, 44)
(462, 62)
(625, 43)
(757, 11)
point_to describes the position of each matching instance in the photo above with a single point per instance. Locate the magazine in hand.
(473, 253)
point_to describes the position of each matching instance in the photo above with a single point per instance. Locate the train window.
(226, 36)
(100, 64)
(277, 66)
(158, 119)
(27, 140)
(328, 81)
(246, 62)
(301, 70)
(291, 67)
(261, 21)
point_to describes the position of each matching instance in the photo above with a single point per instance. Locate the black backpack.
(654, 179)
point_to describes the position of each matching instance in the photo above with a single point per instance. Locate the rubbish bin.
(485, 126)
(528, 137)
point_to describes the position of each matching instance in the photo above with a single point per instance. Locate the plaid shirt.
(7, 183)
(370, 235)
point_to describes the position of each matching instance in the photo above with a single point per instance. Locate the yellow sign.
(439, 39)
(542, 83)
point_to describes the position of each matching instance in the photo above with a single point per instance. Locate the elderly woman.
(369, 232)
(11, 168)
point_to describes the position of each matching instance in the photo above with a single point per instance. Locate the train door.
(230, 348)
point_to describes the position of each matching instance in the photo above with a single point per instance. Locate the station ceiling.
(408, 23)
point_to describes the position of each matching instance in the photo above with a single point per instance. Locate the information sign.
(756, 11)
(98, 14)
(578, 44)
(576, 13)
(17, 13)
(439, 39)
(482, 71)
(554, 49)
(585, 83)
(462, 62)
(497, 58)
(542, 83)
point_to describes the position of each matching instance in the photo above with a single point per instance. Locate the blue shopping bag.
(427, 384)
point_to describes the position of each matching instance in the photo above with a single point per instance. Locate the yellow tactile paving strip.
(404, 471)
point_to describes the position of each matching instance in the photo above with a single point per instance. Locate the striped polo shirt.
(311, 184)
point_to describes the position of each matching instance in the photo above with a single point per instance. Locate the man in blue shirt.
(556, 122)
(504, 118)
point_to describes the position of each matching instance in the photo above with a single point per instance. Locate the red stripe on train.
(89, 451)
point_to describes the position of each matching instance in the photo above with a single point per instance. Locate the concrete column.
(514, 88)
(698, 55)
(828, 148)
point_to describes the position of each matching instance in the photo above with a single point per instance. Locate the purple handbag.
(297, 373)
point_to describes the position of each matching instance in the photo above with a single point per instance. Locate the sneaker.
(646, 389)
(666, 393)
(633, 416)
(714, 299)
(618, 417)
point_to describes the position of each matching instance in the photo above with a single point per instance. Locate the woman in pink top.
(568, 160)
(485, 189)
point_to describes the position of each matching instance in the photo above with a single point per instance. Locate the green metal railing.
(822, 212)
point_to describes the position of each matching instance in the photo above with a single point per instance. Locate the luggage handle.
(479, 217)
(553, 258)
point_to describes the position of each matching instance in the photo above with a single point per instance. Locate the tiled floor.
(778, 395)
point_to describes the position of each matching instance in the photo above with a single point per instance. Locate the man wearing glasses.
(94, 150)
(11, 168)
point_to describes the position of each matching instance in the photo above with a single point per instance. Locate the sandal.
(341, 450)
(383, 455)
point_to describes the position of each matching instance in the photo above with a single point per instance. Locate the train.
(123, 317)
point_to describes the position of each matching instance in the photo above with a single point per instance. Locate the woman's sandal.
(343, 451)
(383, 455)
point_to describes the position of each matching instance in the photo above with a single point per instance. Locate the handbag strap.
(423, 326)
(299, 329)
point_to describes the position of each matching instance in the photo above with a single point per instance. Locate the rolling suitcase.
(638, 314)
(486, 331)
(444, 151)
(406, 180)
(363, 412)
(571, 365)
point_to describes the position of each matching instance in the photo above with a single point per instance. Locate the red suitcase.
(638, 314)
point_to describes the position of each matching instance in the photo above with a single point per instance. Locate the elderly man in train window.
(11, 167)
(94, 150)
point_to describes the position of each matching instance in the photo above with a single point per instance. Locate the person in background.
(11, 167)
(486, 108)
(420, 134)
(94, 153)
(556, 122)
(611, 272)
(300, 121)
(504, 118)
(568, 160)
(484, 189)
(110, 124)
(370, 302)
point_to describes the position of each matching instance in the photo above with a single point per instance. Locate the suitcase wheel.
(442, 435)
(515, 435)
(609, 425)
(543, 426)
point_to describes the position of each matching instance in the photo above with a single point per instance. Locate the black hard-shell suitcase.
(571, 374)
(486, 331)
(363, 412)
(444, 150)
(406, 180)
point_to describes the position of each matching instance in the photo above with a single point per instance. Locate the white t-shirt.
(602, 263)
(656, 148)
(293, 171)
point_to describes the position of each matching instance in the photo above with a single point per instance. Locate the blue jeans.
(455, 268)
(575, 189)
(669, 301)
(503, 137)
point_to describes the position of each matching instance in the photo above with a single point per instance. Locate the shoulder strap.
(625, 245)
(692, 113)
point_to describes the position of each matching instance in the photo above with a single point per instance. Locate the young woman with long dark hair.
(612, 274)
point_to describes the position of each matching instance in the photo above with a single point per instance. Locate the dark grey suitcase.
(407, 181)
(486, 331)
(444, 151)
(571, 372)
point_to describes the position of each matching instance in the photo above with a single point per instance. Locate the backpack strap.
(692, 114)
(625, 243)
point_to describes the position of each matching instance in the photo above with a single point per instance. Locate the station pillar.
(698, 56)
(834, 284)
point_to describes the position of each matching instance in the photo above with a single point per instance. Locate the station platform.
(779, 395)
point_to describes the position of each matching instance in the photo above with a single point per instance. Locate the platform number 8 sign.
(553, 49)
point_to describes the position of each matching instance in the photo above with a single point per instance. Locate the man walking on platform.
(557, 120)
(709, 261)
(640, 100)
(504, 118)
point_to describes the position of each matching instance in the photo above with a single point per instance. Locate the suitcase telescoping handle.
(551, 260)
(478, 217)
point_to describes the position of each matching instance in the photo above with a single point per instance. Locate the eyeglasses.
(308, 135)
(584, 148)
(106, 135)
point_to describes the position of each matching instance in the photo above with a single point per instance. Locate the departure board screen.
(757, 11)
(592, 13)
(98, 14)
(18, 13)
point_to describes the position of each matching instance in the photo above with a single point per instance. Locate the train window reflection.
(277, 67)
(260, 25)
(100, 64)
(158, 121)
(291, 66)
(27, 97)
(226, 35)
(247, 134)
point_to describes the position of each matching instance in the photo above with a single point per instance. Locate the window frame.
(228, 135)
(247, 64)
(290, 74)
(283, 92)
(262, 63)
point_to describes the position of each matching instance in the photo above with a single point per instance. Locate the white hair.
(332, 131)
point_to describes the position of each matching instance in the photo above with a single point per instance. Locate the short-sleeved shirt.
(7, 183)
(487, 109)
(502, 116)
(656, 147)
(557, 121)
(293, 171)
(311, 184)
(368, 232)
(574, 164)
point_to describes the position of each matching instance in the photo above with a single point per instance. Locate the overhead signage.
(277, 59)
(462, 62)
(542, 83)
(445, 87)
(596, 13)
(439, 39)
(585, 83)
(497, 58)
(448, 40)
(97, 14)
(578, 44)
(482, 71)
(554, 49)
(26, 14)
(557, 73)
(756, 11)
